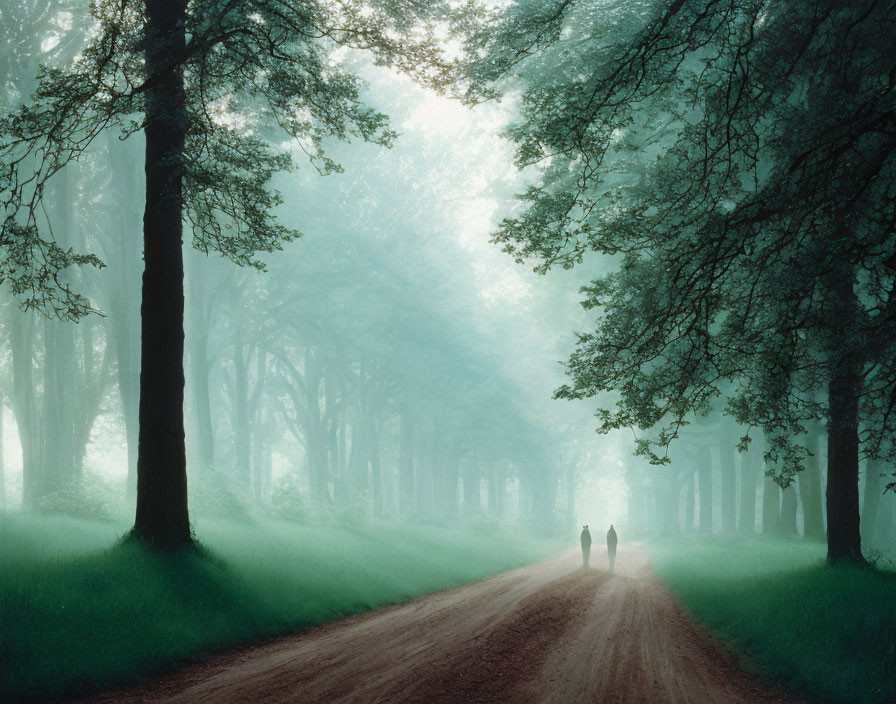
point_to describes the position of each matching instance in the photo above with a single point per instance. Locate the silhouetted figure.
(611, 546)
(586, 546)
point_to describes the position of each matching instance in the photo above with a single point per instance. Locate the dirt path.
(549, 632)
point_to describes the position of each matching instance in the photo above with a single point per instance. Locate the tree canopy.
(738, 160)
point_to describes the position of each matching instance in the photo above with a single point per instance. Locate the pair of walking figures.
(611, 546)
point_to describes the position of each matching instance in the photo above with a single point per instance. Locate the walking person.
(611, 546)
(586, 546)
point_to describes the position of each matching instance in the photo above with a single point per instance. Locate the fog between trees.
(390, 361)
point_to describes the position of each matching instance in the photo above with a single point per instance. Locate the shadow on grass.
(127, 611)
(78, 617)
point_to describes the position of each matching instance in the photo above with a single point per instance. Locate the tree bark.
(844, 539)
(162, 513)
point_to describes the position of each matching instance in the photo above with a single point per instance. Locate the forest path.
(548, 632)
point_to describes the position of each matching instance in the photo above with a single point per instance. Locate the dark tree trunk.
(844, 539)
(704, 475)
(162, 514)
(729, 485)
(871, 503)
(810, 489)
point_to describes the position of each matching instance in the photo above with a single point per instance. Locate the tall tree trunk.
(704, 475)
(729, 485)
(809, 480)
(162, 513)
(844, 539)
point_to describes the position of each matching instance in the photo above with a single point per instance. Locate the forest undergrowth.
(82, 610)
(825, 632)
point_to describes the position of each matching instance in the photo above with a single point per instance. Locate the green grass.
(81, 611)
(826, 632)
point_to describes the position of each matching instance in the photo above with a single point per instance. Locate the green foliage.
(739, 159)
(213, 496)
(288, 499)
(80, 612)
(87, 496)
(254, 71)
(821, 630)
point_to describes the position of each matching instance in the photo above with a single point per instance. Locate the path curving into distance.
(549, 633)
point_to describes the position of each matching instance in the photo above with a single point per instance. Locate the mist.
(317, 309)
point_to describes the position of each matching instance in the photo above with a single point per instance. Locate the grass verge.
(825, 632)
(81, 611)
